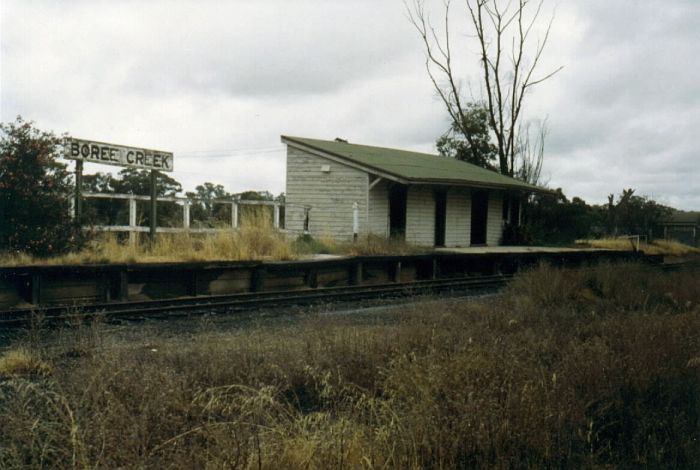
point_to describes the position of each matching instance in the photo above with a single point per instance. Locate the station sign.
(119, 155)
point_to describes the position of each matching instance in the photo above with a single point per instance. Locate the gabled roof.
(411, 167)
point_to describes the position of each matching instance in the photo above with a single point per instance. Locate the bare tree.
(529, 152)
(509, 54)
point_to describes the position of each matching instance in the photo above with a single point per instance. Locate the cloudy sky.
(218, 82)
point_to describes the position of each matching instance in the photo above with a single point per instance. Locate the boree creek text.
(111, 154)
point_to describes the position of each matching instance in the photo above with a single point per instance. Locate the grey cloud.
(186, 75)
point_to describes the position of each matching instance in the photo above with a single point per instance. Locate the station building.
(340, 190)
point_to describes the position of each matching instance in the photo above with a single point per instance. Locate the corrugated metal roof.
(414, 167)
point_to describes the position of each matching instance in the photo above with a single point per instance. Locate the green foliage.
(516, 235)
(633, 214)
(204, 210)
(470, 140)
(553, 219)
(35, 193)
(131, 181)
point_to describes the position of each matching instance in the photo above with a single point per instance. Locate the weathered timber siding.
(420, 215)
(494, 226)
(379, 209)
(330, 195)
(458, 223)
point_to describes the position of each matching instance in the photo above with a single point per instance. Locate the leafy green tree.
(135, 181)
(255, 196)
(633, 215)
(553, 219)
(103, 211)
(35, 193)
(470, 140)
(131, 181)
(204, 210)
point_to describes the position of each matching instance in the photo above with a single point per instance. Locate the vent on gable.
(325, 168)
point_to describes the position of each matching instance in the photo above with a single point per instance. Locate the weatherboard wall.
(458, 217)
(378, 220)
(329, 189)
(420, 215)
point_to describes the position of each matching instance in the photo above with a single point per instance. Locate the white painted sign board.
(119, 155)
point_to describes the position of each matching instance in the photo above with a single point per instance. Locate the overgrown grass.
(365, 245)
(256, 239)
(657, 247)
(568, 369)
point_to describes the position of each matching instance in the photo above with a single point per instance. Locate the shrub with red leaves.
(35, 193)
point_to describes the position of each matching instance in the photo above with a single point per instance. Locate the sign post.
(78, 204)
(154, 214)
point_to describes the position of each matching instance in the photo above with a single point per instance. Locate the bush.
(516, 235)
(35, 192)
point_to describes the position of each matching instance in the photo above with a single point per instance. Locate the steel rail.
(161, 308)
(164, 308)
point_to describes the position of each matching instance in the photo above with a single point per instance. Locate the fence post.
(132, 220)
(277, 216)
(234, 215)
(186, 215)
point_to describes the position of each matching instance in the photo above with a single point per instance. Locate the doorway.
(397, 211)
(480, 212)
(440, 216)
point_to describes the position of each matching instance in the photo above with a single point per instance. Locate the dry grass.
(657, 247)
(568, 369)
(22, 362)
(365, 245)
(255, 240)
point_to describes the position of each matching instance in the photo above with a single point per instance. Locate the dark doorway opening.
(480, 212)
(397, 211)
(440, 216)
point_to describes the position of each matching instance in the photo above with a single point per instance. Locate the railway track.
(168, 308)
(181, 306)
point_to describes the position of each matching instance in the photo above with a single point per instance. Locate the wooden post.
(154, 203)
(78, 204)
(106, 288)
(356, 273)
(186, 215)
(124, 285)
(277, 216)
(397, 271)
(36, 289)
(132, 220)
(234, 215)
(257, 279)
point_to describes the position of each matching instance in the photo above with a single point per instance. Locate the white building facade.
(341, 190)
